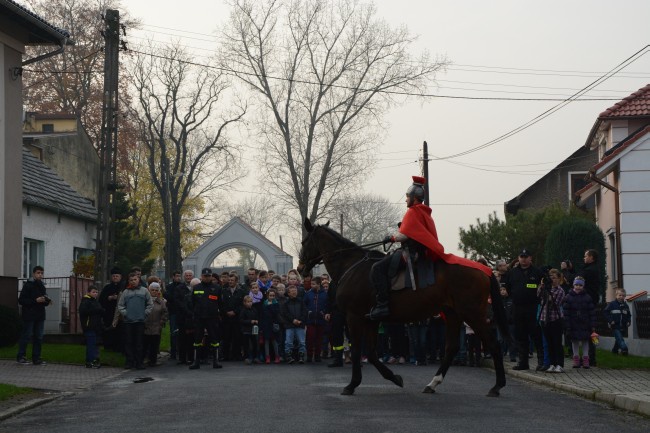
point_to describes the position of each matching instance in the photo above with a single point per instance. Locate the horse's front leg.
(452, 344)
(371, 347)
(355, 326)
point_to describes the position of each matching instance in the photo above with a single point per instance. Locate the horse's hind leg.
(486, 336)
(371, 346)
(452, 344)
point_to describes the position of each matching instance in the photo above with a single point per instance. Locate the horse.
(460, 292)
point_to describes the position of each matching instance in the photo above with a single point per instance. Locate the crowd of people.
(271, 318)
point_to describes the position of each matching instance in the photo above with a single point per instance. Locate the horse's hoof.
(398, 381)
(494, 392)
(428, 390)
(347, 391)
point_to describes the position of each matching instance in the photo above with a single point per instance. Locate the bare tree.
(366, 217)
(182, 123)
(326, 72)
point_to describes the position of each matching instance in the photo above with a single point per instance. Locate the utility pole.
(425, 172)
(104, 249)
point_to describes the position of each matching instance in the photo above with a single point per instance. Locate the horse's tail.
(497, 307)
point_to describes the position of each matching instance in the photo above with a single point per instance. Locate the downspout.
(62, 43)
(619, 254)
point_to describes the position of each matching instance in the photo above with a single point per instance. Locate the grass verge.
(9, 391)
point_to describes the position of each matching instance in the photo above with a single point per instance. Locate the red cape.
(418, 225)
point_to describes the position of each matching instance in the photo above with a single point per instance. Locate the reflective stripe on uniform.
(531, 286)
(199, 292)
(615, 311)
(337, 347)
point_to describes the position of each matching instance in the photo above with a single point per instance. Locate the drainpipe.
(619, 254)
(62, 43)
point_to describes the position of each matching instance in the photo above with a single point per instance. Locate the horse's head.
(310, 254)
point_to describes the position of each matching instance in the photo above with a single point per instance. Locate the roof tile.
(637, 104)
(42, 187)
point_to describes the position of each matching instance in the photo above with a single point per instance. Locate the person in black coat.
(33, 299)
(90, 315)
(249, 322)
(112, 337)
(294, 316)
(591, 277)
(580, 319)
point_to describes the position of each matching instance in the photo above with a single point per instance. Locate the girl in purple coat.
(580, 315)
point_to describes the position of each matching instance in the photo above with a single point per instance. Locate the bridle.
(319, 258)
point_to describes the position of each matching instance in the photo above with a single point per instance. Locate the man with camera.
(33, 300)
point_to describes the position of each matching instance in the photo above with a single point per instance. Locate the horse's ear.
(327, 224)
(308, 225)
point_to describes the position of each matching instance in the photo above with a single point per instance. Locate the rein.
(365, 258)
(319, 258)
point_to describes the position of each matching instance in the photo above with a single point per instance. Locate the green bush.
(10, 326)
(569, 239)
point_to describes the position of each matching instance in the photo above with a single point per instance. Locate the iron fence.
(72, 290)
(642, 318)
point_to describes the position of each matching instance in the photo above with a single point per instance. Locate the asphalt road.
(306, 398)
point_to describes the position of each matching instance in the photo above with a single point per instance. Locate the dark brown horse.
(460, 292)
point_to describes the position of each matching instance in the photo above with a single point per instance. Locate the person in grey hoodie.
(134, 306)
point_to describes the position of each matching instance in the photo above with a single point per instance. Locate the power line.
(634, 57)
(390, 92)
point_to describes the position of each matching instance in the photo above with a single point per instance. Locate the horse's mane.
(348, 243)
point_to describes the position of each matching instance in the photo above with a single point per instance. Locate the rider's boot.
(380, 310)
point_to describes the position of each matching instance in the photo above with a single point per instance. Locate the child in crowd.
(617, 314)
(417, 332)
(551, 320)
(263, 282)
(473, 347)
(294, 315)
(275, 280)
(249, 321)
(90, 314)
(270, 325)
(153, 325)
(580, 315)
(280, 296)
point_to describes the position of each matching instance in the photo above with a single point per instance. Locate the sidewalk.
(623, 389)
(55, 380)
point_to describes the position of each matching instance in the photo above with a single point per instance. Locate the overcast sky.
(498, 49)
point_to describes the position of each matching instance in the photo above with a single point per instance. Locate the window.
(47, 127)
(81, 252)
(33, 252)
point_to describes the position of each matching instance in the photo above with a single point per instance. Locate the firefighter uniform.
(204, 303)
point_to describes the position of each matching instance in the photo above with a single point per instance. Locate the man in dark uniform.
(113, 337)
(232, 299)
(522, 282)
(592, 286)
(204, 303)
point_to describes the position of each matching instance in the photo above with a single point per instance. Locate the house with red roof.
(620, 184)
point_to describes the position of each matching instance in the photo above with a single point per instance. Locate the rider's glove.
(388, 239)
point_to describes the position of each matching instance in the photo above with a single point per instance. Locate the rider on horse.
(417, 231)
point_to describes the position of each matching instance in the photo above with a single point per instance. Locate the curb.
(28, 405)
(625, 402)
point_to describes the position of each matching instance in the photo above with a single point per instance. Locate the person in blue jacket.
(617, 314)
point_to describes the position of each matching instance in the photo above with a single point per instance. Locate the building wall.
(634, 190)
(75, 160)
(10, 162)
(554, 187)
(60, 125)
(60, 236)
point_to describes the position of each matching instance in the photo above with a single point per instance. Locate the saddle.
(399, 275)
